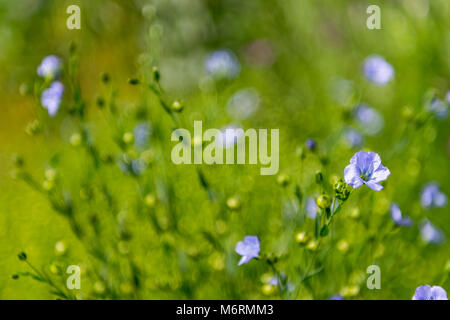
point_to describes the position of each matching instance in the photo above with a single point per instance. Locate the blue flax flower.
(248, 249)
(439, 108)
(427, 292)
(432, 196)
(51, 97)
(377, 70)
(311, 144)
(366, 168)
(396, 215)
(369, 119)
(222, 64)
(353, 138)
(431, 234)
(50, 67)
(336, 297)
(311, 208)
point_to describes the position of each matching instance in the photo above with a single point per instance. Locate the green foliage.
(83, 190)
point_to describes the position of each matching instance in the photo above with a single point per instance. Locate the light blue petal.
(352, 176)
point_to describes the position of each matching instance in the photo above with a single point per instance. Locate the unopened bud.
(323, 201)
(156, 74)
(283, 179)
(128, 137)
(177, 106)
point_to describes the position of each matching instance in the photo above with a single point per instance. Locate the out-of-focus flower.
(432, 196)
(366, 168)
(260, 53)
(336, 297)
(142, 133)
(377, 70)
(311, 144)
(50, 67)
(370, 120)
(274, 281)
(243, 103)
(439, 108)
(51, 97)
(448, 96)
(311, 208)
(353, 138)
(396, 215)
(248, 249)
(222, 64)
(431, 234)
(130, 166)
(427, 292)
(229, 136)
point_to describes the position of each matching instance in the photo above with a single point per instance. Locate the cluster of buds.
(341, 190)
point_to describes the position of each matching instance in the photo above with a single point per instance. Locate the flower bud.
(150, 200)
(133, 81)
(60, 248)
(22, 256)
(301, 238)
(100, 102)
(99, 287)
(350, 291)
(343, 246)
(50, 174)
(341, 189)
(18, 161)
(354, 213)
(323, 201)
(312, 245)
(283, 180)
(75, 139)
(128, 137)
(105, 77)
(155, 73)
(33, 127)
(233, 203)
(177, 106)
(311, 144)
(268, 289)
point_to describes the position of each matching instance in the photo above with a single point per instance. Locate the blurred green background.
(296, 55)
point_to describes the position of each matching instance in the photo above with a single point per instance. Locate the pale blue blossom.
(377, 70)
(51, 97)
(370, 120)
(248, 249)
(142, 133)
(432, 196)
(427, 292)
(243, 103)
(353, 138)
(50, 67)
(439, 108)
(222, 64)
(311, 208)
(311, 144)
(366, 168)
(431, 234)
(336, 297)
(229, 136)
(396, 215)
